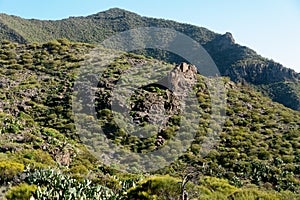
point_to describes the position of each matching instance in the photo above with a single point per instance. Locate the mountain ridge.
(240, 63)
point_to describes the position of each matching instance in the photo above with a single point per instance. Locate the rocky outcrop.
(262, 73)
(224, 41)
(156, 106)
(272, 79)
(182, 78)
(158, 103)
(244, 65)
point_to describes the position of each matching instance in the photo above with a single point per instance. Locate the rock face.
(158, 103)
(156, 107)
(244, 65)
(225, 41)
(261, 73)
(182, 77)
(162, 100)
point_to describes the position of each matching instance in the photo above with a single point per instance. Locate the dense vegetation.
(41, 155)
(285, 91)
(238, 62)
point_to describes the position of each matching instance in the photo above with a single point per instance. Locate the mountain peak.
(238, 62)
(116, 10)
(229, 37)
(113, 13)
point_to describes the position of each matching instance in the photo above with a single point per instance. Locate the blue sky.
(270, 27)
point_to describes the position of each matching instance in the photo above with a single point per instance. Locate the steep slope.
(240, 63)
(259, 142)
(7, 33)
(94, 28)
(288, 92)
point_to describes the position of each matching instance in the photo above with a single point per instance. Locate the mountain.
(238, 62)
(256, 155)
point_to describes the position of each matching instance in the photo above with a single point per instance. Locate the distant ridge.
(240, 63)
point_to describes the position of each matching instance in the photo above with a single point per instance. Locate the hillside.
(256, 155)
(238, 62)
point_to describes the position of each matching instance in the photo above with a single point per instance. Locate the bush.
(21, 192)
(8, 170)
(37, 158)
(252, 194)
(56, 185)
(216, 185)
(78, 169)
(50, 132)
(160, 187)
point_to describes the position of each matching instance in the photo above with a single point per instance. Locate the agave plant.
(53, 184)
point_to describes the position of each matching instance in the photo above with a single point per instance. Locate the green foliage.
(50, 132)
(21, 192)
(37, 158)
(78, 170)
(53, 184)
(259, 143)
(252, 194)
(9, 169)
(240, 62)
(287, 93)
(96, 29)
(216, 185)
(159, 187)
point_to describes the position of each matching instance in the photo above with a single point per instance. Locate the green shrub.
(56, 185)
(50, 132)
(159, 187)
(217, 185)
(252, 194)
(21, 192)
(37, 158)
(9, 169)
(64, 41)
(78, 171)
